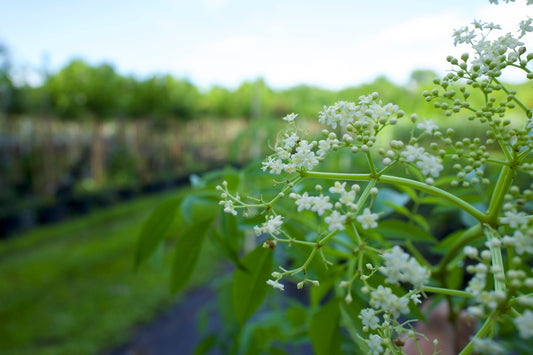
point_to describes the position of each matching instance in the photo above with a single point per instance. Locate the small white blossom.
(304, 202)
(276, 284)
(290, 117)
(412, 153)
(524, 324)
(321, 204)
(383, 298)
(271, 226)
(347, 197)
(375, 344)
(525, 26)
(368, 219)
(415, 297)
(275, 165)
(304, 156)
(522, 243)
(430, 165)
(290, 141)
(335, 221)
(471, 252)
(369, 318)
(428, 125)
(338, 188)
(229, 207)
(400, 267)
(514, 219)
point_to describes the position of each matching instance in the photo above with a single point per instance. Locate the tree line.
(99, 92)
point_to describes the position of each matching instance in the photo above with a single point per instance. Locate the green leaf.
(387, 198)
(200, 206)
(396, 229)
(450, 240)
(155, 228)
(186, 253)
(324, 329)
(249, 288)
(227, 249)
(205, 345)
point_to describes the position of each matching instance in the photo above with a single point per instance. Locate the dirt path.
(174, 332)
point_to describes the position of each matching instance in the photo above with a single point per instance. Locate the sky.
(333, 44)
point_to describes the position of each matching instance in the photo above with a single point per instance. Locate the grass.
(71, 288)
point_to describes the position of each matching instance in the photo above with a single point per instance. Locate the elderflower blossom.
(412, 153)
(368, 219)
(430, 165)
(428, 125)
(271, 226)
(335, 221)
(341, 112)
(524, 324)
(321, 204)
(374, 343)
(368, 318)
(471, 252)
(276, 284)
(290, 117)
(523, 243)
(229, 207)
(525, 26)
(514, 219)
(383, 298)
(400, 267)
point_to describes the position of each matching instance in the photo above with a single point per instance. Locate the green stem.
(482, 332)
(447, 291)
(394, 180)
(515, 99)
(505, 179)
(497, 259)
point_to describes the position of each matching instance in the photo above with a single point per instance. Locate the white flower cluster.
(271, 226)
(429, 165)
(382, 298)
(491, 55)
(400, 267)
(337, 213)
(522, 233)
(295, 153)
(362, 117)
(387, 306)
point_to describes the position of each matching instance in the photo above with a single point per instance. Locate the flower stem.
(447, 291)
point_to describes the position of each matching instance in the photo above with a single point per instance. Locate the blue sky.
(333, 43)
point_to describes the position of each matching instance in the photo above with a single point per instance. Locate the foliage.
(70, 289)
(357, 217)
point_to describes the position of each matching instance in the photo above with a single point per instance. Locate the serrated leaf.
(186, 253)
(396, 229)
(155, 229)
(249, 287)
(324, 331)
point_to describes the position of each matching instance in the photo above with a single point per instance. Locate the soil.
(174, 332)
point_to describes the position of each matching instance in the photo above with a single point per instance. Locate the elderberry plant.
(378, 213)
(485, 176)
